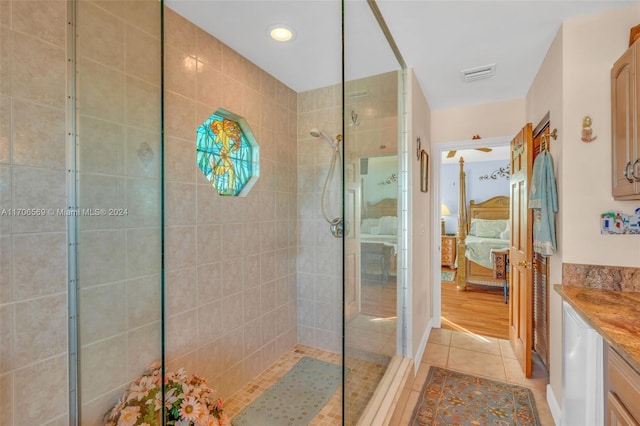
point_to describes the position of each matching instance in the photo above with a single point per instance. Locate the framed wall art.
(424, 171)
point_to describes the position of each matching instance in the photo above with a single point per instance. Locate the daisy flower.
(129, 416)
(188, 402)
(209, 421)
(190, 409)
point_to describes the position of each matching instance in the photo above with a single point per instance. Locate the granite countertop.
(613, 314)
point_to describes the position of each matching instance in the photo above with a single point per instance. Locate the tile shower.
(245, 279)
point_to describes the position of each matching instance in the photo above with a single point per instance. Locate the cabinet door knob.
(633, 170)
(626, 171)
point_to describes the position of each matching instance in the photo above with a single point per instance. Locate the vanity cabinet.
(623, 392)
(625, 131)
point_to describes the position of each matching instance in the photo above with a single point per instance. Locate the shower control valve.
(337, 228)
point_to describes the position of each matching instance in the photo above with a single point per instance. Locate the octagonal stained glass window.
(227, 153)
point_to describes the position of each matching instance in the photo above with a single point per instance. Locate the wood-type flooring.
(479, 310)
(379, 299)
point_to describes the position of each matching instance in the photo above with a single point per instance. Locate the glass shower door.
(373, 284)
(118, 187)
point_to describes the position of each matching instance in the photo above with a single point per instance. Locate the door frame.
(438, 149)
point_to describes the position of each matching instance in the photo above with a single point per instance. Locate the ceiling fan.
(475, 137)
(452, 153)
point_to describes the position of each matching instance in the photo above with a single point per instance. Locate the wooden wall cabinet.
(625, 122)
(622, 392)
(448, 247)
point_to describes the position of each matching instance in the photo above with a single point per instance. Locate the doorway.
(454, 309)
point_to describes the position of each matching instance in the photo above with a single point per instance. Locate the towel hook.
(553, 135)
(545, 139)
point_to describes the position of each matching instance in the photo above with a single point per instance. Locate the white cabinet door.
(582, 372)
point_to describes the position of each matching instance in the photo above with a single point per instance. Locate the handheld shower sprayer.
(334, 143)
(335, 224)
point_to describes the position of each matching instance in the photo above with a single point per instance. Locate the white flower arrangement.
(187, 402)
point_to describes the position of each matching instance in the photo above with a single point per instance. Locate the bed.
(379, 240)
(483, 228)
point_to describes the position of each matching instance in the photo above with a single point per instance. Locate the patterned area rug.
(296, 398)
(448, 275)
(452, 398)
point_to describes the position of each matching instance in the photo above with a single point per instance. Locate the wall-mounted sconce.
(587, 132)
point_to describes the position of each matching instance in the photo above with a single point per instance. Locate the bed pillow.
(506, 234)
(486, 228)
(367, 225)
(389, 225)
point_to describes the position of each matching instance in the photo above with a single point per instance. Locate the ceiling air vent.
(478, 73)
(358, 95)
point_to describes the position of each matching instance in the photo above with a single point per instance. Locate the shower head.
(316, 133)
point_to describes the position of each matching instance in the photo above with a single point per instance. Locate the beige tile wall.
(33, 262)
(319, 253)
(230, 262)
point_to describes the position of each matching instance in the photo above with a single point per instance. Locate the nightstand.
(501, 269)
(448, 251)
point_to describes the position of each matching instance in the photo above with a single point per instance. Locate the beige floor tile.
(436, 354)
(538, 380)
(474, 342)
(440, 336)
(544, 413)
(477, 363)
(486, 357)
(507, 350)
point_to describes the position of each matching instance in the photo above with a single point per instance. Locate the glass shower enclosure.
(117, 253)
(374, 284)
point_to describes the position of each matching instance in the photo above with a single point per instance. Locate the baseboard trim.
(556, 412)
(423, 345)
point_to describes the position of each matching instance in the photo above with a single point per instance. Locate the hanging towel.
(543, 199)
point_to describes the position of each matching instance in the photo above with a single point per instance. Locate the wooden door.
(521, 250)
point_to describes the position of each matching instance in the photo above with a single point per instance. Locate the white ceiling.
(437, 39)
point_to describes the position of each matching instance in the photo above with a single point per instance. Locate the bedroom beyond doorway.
(476, 310)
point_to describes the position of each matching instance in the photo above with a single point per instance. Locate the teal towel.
(543, 198)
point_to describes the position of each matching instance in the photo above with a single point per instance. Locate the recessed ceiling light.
(280, 32)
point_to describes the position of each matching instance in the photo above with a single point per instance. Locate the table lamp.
(444, 211)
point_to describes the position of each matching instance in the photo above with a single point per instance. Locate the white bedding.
(478, 249)
(384, 239)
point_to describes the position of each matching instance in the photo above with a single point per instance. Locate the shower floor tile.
(362, 379)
